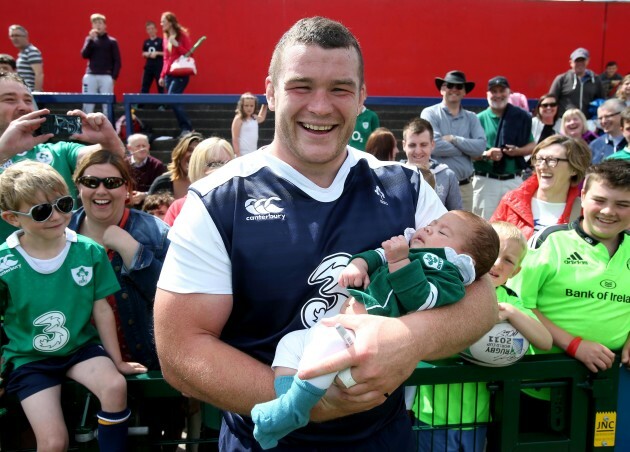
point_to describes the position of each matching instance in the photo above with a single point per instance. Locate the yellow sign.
(605, 424)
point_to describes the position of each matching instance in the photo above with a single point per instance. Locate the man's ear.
(270, 93)
(10, 218)
(362, 97)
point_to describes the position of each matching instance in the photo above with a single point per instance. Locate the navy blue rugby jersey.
(288, 240)
(287, 248)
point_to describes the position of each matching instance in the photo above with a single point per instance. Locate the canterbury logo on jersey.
(8, 263)
(575, 259)
(264, 209)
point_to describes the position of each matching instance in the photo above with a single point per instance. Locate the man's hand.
(595, 356)
(379, 359)
(494, 154)
(98, 130)
(18, 137)
(138, 197)
(355, 274)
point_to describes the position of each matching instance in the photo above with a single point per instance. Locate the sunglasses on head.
(549, 105)
(455, 85)
(110, 183)
(42, 212)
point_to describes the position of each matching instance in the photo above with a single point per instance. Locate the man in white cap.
(458, 134)
(579, 86)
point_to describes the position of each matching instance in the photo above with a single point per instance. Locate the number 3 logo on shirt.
(54, 336)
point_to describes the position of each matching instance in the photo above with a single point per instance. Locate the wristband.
(573, 346)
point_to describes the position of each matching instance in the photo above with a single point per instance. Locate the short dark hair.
(614, 173)
(149, 22)
(417, 125)
(482, 244)
(5, 58)
(611, 63)
(380, 143)
(319, 31)
(154, 201)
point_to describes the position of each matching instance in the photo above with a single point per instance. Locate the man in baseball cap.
(508, 130)
(579, 86)
(458, 134)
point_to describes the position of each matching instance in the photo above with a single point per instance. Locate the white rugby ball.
(501, 346)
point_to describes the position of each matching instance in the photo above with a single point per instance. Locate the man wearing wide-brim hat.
(458, 134)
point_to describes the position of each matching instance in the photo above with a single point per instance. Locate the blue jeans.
(177, 85)
(452, 440)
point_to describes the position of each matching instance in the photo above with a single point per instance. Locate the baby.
(424, 269)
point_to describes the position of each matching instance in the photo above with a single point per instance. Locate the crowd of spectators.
(503, 163)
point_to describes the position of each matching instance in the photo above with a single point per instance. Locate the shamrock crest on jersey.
(82, 275)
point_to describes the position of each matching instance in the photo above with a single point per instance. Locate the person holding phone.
(19, 122)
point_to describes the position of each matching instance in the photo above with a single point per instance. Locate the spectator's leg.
(89, 87)
(467, 196)
(176, 85)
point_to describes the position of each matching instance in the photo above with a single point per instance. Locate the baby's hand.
(396, 249)
(355, 274)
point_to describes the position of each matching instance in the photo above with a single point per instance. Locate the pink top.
(174, 210)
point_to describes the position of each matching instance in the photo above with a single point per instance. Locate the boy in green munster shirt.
(50, 333)
(577, 279)
(469, 403)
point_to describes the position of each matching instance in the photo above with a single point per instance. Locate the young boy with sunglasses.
(49, 329)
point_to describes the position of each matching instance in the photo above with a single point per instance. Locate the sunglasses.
(455, 85)
(549, 105)
(42, 212)
(110, 183)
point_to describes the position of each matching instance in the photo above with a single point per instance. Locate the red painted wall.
(406, 43)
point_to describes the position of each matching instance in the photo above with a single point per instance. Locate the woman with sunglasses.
(136, 244)
(552, 196)
(175, 180)
(210, 155)
(545, 119)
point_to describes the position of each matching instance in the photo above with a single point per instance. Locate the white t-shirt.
(546, 213)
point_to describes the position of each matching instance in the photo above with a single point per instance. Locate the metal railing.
(73, 98)
(585, 402)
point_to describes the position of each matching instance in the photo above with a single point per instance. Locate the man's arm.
(387, 350)
(38, 69)
(18, 137)
(195, 360)
(116, 60)
(443, 148)
(556, 87)
(475, 145)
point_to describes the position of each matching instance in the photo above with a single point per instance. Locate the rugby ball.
(501, 346)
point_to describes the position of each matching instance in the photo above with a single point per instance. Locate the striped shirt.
(26, 58)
